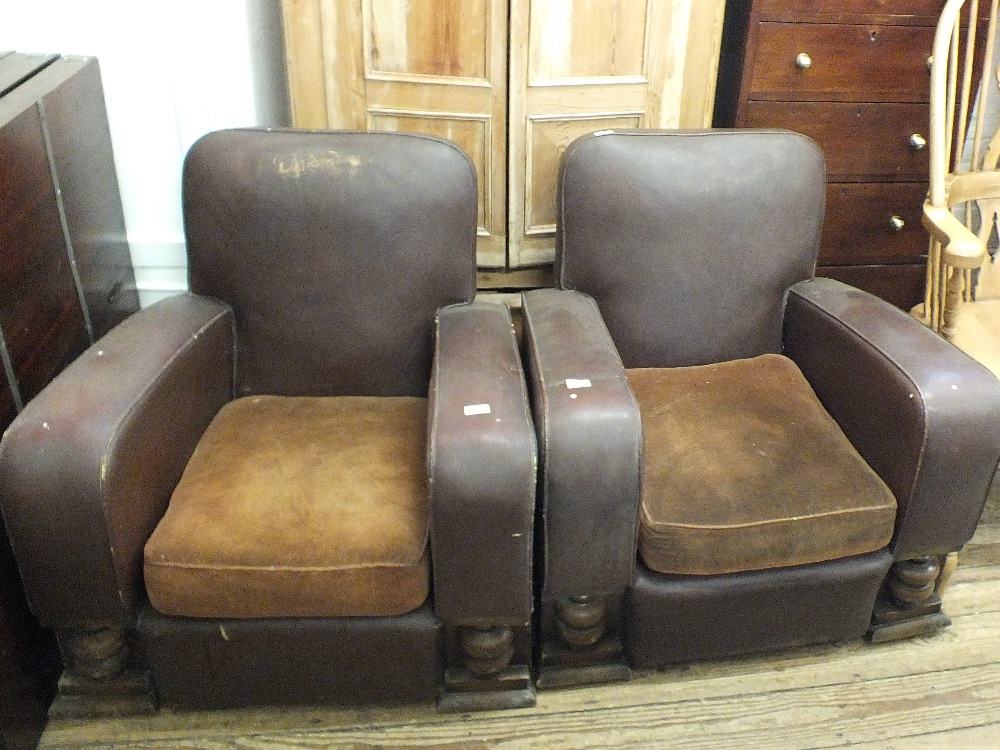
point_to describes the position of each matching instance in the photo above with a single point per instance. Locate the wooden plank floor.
(936, 692)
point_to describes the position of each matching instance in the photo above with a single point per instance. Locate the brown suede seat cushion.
(298, 507)
(745, 470)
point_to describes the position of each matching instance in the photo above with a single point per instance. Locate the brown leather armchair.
(736, 456)
(312, 478)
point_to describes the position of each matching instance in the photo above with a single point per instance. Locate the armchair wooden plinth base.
(488, 669)
(581, 644)
(101, 678)
(566, 667)
(465, 691)
(890, 622)
(128, 694)
(909, 604)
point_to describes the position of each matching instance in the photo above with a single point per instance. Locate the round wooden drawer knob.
(896, 223)
(803, 61)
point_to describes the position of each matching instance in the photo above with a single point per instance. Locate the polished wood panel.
(853, 75)
(65, 277)
(862, 223)
(898, 9)
(83, 163)
(846, 61)
(40, 311)
(861, 141)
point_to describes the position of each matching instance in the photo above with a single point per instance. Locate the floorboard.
(941, 691)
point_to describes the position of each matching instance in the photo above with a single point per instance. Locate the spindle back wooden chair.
(963, 204)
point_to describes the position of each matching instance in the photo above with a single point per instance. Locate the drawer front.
(887, 7)
(842, 62)
(861, 141)
(873, 223)
(901, 285)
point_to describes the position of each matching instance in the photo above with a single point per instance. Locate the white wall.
(172, 71)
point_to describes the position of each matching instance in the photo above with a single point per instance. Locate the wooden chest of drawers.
(854, 76)
(65, 280)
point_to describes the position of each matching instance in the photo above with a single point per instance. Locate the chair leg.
(909, 604)
(98, 678)
(949, 564)
(953, 302)
(488, 669)
(581, 643)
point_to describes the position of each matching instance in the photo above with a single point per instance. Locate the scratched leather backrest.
(335, 249)
(689, 240)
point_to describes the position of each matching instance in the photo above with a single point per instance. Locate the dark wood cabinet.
(65, 280)
(853, 75)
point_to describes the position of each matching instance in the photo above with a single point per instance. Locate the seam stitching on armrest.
(181, 351)
(853, 331)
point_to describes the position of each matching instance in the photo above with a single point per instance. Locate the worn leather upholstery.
(683, 618)
(305, 661)
(591, 445)
(239, 226)
(687, 269)
(88, 466)
(482, 465)
(919, 411)
(318, 263)
(679, 249)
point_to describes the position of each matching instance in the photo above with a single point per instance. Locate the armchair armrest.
(588, 421)
(481, 463)
(921, 412)
(960, 247)
(87, 468)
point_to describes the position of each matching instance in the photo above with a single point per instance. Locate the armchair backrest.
(689, 240)
(335, 249)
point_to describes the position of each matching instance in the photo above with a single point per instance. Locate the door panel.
(577, 66)
(437, 67)
(434, 38)
(573, 39)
